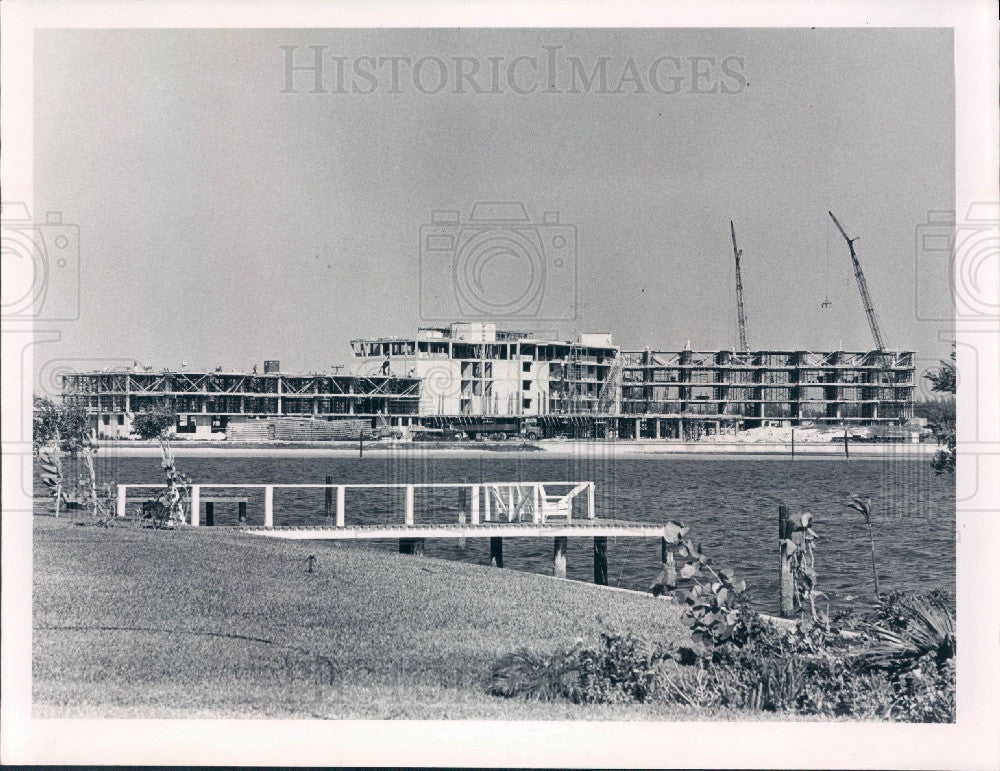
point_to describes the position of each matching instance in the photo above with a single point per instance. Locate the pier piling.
(601, 560)
(559, 557)
(786, 579)
(669, 570)
(414, 546)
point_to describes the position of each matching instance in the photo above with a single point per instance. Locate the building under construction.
(691, 393)
(208, 404)
(472, 379)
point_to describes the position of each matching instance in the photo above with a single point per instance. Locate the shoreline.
(557, 449)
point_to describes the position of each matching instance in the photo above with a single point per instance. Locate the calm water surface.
(730, 504)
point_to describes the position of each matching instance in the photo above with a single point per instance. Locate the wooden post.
(785, 578)
(209, 513)
(195, 505)
(496, 552)
(847, 452)
(474, 516)
(487, 505)
(536, 515)
(590, 501)
(559, 557)
(361, 444)
(601, 560)
(120, 500)
(269, 506)
(793, 442)
(341, 490)
(409, 506)
(328, 498)
(669, 570)
(243, 513)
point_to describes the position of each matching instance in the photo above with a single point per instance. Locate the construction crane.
(862, 285)
(737, 253)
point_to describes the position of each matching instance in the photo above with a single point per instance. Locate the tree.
(944, 381)
(65, 424)
(153, 425)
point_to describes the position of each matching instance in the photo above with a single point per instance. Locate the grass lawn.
(133, 622)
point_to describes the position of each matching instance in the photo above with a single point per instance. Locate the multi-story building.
(473, 369)
(207, 402)
(475, 378)
(711, 389)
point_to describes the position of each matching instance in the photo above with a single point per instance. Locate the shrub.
(621, 669)
(152, 425)
(528, 675)
(909, 630)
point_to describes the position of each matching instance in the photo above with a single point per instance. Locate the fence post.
(409, 506)
(120, 500)
(536, 515)
(487, 505)
(268, 505)
(341, 491)
(209, 513)
(474, 516)
(786, 579)
(328, 498)
(590, 503)
(195, 505)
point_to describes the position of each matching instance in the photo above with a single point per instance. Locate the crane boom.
(862, 285)
(737, 253)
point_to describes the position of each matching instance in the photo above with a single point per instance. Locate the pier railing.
(535, 502)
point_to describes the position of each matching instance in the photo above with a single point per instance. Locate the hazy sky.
(224, 222)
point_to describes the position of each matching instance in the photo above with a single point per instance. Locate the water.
(730, 504)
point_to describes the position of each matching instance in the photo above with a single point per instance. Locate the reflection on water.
(731, 505)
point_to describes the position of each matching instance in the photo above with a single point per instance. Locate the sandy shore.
(554, 449)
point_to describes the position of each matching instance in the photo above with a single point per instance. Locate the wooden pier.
(494, 510)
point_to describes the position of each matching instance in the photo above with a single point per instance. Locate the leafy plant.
(152, 425)
(528, 675)
(944, 380)
(167, 509)
(50, 465)
(864, 507)
(621, 669)
(799, 546)
(66, 425)
(917, 627)
(713, 598)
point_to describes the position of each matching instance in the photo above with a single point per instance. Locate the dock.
(496, 510)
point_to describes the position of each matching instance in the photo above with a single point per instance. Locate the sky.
(225, 219)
